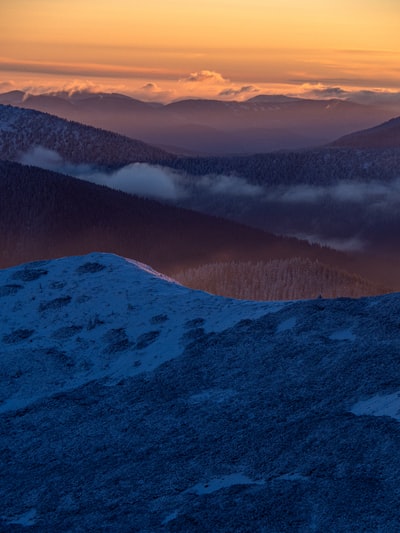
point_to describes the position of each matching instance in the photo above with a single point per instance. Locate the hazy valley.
(343, 196)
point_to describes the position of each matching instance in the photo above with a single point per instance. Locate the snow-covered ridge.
(130, 403)
(69, 321)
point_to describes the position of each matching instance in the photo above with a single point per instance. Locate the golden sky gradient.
(169, 48)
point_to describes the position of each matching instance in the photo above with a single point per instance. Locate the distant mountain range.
(262, 123)
(24, 129)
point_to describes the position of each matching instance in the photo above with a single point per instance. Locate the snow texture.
(380, 405)
(66, 309)
(223, 483)
(343, 335)
(130, 403)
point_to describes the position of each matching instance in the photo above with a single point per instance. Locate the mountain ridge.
(164, 124)
(385, 135)
(21, 129)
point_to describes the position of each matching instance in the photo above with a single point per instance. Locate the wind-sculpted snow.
(131, 403)
(70, 321)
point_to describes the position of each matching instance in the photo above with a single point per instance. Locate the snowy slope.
(130, 403)
(77, 328)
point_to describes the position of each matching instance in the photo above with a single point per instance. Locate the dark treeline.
(45, 215)
(317, 167)
(75, 142)
(279, 279)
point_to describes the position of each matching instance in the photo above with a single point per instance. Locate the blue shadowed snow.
(130, 403)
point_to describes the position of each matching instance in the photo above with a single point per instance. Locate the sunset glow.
(163, 50)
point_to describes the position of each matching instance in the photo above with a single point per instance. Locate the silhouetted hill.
(23, 129)
(386, 135)
(274, 99)
(47, 215)
(279, 279)
(312, 167)
(343, 197)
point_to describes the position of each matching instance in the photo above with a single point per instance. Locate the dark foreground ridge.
(145, 406)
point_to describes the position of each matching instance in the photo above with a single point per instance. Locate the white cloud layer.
(150, 181)
(374, 194)
(145, 180)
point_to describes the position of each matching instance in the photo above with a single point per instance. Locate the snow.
(51, 325)
(131, 403)
(293, 477)
(379, 405)
(212, 395)
(223, 483)
(287, 325)
(26, 520)
(343, 335)
(170, 517)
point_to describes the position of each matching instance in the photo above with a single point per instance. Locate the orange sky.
(164, 49)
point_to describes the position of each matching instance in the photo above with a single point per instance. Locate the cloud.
(209, 76)
(163, 183)
(229, 186)
(72, 88)
(6, 86)
(85, 69)
(150, 87)
(328, 92)
(82, 86)
(375, 97)
(212, 84)
(151, 92)
(39, 156)
(150, 181)
(145, 180)
(347, 244)
(142, 179)
(363, 96)
(375, 195)
(245, 90)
